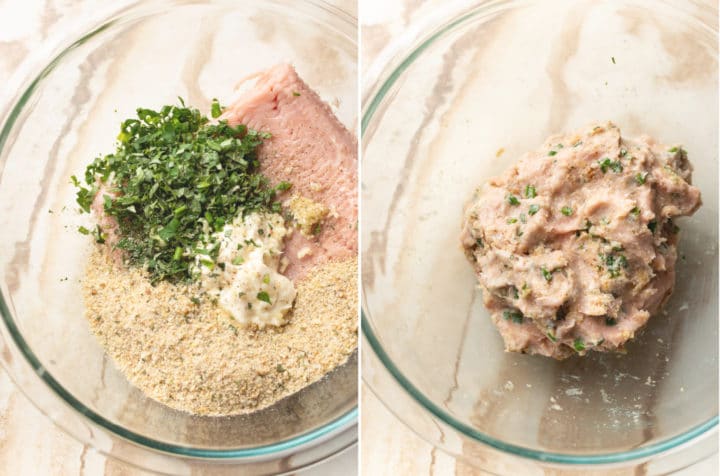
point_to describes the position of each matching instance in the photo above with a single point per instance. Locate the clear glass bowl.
(439, 103)
(66, 114)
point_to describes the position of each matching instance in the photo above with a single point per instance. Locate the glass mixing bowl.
(66, 114)
(439, 103)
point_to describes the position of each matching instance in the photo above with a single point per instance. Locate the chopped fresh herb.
(640, 178)
(523, 218)
(530, 191)
(266, 279)
(546, 274)
(578, 345)
(577, 144)
(174, 174)
(635, 211)
(567, 211)
(552, 152)
(623, 152)
(613, 59)
(673, 149)
(614, 263)
(238, 260)
(479, 242)
(514, 315)
(511, 221)
(551, 336)
(606, 164)
(295, 93)
(83, 230)
(652, 225)
(609, 321)
(559, 146)
(533, 210)
(195, 300)
(513, 200)
(215, 109)
(263, 296)
(283, 186)
(316, 229)
(516, 295)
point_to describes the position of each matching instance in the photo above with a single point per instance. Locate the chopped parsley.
(514, 315)
(546, 274)
(673, 149)
(172, 174)
(523, 218)
(567, 211)
(296, 94)
(511, 221)
(479, 242)
(551, 336)
(513, 200)
(215, 109)
(533, 210)
(578, 345)
(640, 178)
(552, 152)
(652, 225)
(613, 59)
(264, 297)
(614, 263)
(609, 321)
(530, 191)
(606, 164)
(635, 211)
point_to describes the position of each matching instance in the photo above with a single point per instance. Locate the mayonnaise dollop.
(245, 277)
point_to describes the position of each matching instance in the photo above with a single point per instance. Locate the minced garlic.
(307, 213)
(245, 277)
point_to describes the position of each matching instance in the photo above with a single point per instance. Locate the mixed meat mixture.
(575, 246)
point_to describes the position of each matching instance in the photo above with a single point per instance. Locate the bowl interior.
(196, 50)
(505, 77)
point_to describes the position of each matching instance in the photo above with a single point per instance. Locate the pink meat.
(311, 149)
(574, 246)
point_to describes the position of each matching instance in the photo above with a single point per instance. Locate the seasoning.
(180, 349)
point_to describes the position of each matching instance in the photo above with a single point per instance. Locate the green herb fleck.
(551, 336)
(635, 211)
(238, 260)
(479, 242)
(533, 210)
(283, 186)
(513, 200)
(567, 211)
(578, 345)
(295, 93)
(263, 296)
(83, 230)
(606, 164)
(577, 144)
(523, 218)
(673, 149)
(195, 300)
(609, 321)
(266, 279)
(546, 274)
(652, 225)
(511, 221)
(514, 315)
(552, 152)
(623, 152)
(640, 178)
(280, 368)
(614, 263)
(215, 109)
(530, 191)
(613, 59)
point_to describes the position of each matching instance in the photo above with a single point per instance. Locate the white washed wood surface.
(29, 443)
(387, 446)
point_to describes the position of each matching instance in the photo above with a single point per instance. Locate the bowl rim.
(389, 66)
(30, 81)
